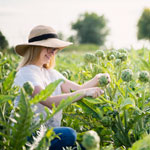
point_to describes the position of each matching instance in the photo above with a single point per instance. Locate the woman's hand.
(97, 77)
(93, 92)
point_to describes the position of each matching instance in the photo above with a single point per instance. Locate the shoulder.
(27, 73)
(53, 71)
(56, 74)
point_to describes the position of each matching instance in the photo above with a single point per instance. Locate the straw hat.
(42, 36)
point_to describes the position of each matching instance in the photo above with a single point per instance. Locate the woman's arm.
(68, 85)
(94, 92)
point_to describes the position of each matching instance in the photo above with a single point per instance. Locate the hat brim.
(53, 43)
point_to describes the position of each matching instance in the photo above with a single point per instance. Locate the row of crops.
(119, 119)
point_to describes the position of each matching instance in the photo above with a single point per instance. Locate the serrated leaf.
(46, 92)
(5, 98)
(127, 103)
(9, 80)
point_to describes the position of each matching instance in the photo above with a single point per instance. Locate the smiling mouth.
(47, 57)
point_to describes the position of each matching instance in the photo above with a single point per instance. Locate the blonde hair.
(32, 55)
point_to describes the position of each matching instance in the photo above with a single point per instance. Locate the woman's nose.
(53, 52)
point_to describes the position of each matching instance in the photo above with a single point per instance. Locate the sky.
(18, 17)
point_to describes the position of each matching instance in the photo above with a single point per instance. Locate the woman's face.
(46, 55)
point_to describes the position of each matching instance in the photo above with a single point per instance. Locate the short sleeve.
(25, 76)
(55, 75)
(59, 75)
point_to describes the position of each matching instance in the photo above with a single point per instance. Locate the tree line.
(92, 28)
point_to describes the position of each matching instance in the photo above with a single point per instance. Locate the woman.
(37, 67)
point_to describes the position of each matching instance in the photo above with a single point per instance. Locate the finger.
(94, 95)
(101, 92)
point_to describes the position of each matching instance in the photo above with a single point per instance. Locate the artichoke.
(126, 75)
(106, 121)
(6, 66)
(123, 51)
(89, 58)
(67, 73)
(110, 57)
(144, 76)
(100, 53)
(122, 56)
(103, 80)
(117, 62)
(91, 140)
(28, 87)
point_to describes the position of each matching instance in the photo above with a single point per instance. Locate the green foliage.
(126, 75)
(28, 87)
(91, 140)
(89, 58)
(91, 28)
(103, 80)
(18, 122)
(120, 116)
(3, 42)
(142, 144)
(144, 76)
(144, 25)
(22, 121)
(80, 48)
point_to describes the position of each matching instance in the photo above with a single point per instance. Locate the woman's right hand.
(92, 92)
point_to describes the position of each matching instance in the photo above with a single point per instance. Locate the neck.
(37, 64)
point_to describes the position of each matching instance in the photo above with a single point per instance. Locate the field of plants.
(117, 120)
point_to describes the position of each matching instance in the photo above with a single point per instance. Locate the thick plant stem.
(118, 77)
(124, 133)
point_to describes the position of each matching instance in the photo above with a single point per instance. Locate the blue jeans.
(68, 138)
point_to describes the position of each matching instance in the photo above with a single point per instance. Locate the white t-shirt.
(40, 77)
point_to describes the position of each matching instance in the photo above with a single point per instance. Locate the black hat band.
(42, 37)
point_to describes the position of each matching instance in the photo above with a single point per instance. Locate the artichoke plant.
(89, 58)
(110, 57)
(103, 80)
(123, 51)
(126, 75)
(118, 62)
(100, 53)
(28, 87)
(122, 56)
(144, 76)
(91, 140)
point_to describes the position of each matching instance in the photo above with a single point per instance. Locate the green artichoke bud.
(1, 54)
(103, 80)
(68, 71)
(106, 121)
(114, 52)
(110, 57)
(103, 57)
(90, 58)
(99, 53)
(126, 75)
(91, 140)
(65, 74)
(6, 66)
(123, 51)
(122, 56)
(28, 87)
(118, 62)
(144, 76)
